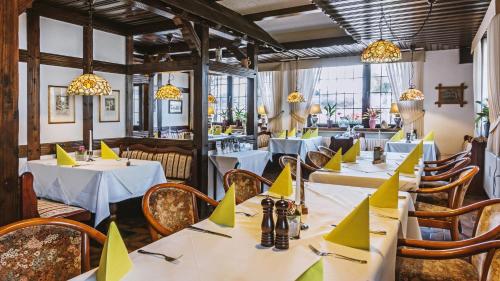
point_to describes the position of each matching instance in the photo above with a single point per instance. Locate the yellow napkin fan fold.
(115, 262)
(335, 163)
(315, 133)
(313, 273)
(63, 158)
(307, 134)
(354, 230)
(283, 184)
(357, 146)
(107, 152)
(282, 134)
(350, 155)
(224, 213)
(292, 133)
(429, 136)
(386, 195)
(229, 131)
(398, 136)
(408, 164)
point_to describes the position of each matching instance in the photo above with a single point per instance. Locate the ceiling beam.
(22, 5)
(165, 25)
(281, 12)
(214, 13)
(319, 43)
(188, 34)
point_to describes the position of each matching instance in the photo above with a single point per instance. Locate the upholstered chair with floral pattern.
(317, 159)
(45, 249)
(247, 184)
(170, 207)
(476, 258)
(326, 151)
(305, 169)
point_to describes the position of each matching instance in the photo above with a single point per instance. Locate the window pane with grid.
(381, 92)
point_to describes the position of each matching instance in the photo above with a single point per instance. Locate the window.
(136, 120)
(239, 93)
(341, 86)
(218, 88)
(380, 92)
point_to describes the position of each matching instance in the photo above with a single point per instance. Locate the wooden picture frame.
(61, 106)
(174, 106)
(109, 107)
(451, 95)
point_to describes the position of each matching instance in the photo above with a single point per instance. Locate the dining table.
(294, 145)
(205, 256)
(94, 185)
(431, 151)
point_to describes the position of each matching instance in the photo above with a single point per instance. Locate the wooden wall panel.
(33, 86)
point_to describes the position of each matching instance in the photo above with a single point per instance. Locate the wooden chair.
(441, 178)
(453, 157)
(45, 249)
(434, 170)
(305, 169)
(247, 184)
(170, 207)
(32, 207)
(317, 159)
(444, 260)
(456, 192)
(326, 150)
(263, 140)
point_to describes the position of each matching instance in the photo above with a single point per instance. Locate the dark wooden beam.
(188, 34)
(129, 87)
(365, 102)
(150, 98)
(151, 67)
(253, 54)
(216, 14)
(9, 116)
(230, 94)
(23, 5)
(145, 106)
(88, 101)
(159, 107)
(281, 12)
(231, 69)
(152, 27)
(33, 86)
(319, 43)
(200, 114)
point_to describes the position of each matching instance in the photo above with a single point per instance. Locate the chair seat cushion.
(51, 209)
(408, 269)
(422, 206)
(439, 199)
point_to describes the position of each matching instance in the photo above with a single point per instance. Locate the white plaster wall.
(57, 37)
(449, 122)
(22, 104)
(179, 79)
(109, 47)
(22, 31)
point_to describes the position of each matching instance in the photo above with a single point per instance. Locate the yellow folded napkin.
(313, 273)
(283, 184)
(357, 144)
(107, 152)
(429, 136)
(408, 164)
(335, 163)
(307, 135)
(229, 131)
(350, 155)
(292, 133)
(63, 158)
(217, 130)
(315, 133)
(224, 213)
(398, 136)
(386, 195)
(115, 262)
(354, 230)
(211, 131)
(282, 134)
(420, 149)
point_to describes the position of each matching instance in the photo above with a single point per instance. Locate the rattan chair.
(305, 169)
(441, 177)
(46, 249)
(326, 150)
(170, 207)
(444, 260)
(453, 157)
(456, 191)
(317, 159)
(247, 184)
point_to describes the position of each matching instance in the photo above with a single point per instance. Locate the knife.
(208, 231)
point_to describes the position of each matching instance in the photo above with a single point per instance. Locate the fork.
(167, 258)
(247, 214)
(325, 254)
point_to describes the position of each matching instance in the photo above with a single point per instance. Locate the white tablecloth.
(253, 160)
(365, 174)
(209, 257)
(430, 148)
(93, 185)
(294, 145)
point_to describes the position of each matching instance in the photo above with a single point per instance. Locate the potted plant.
(223, 115)
(484, 116)
(371, 114)
(239, 115)
(330, 112)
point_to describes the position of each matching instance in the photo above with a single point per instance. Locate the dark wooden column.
(129, 89)
(88, 101)
(366, 92)
(159, 105)
(145, 106)
(9, 120)
(150, 97)
(200, 112)
(252, 52)
(33, 86)
(229, 105)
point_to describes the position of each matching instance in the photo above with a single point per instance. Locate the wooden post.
(159, 106)
(9, 120)
(33, 86)
(366, 92)
(129, 89)
(88, 101)
(230, 99)
(200, 114)
(150, 97)
(252, 52)
(145, 106)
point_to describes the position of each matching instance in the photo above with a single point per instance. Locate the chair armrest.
(454, 212)
(440, 245)
(454, 253)
(442, 161)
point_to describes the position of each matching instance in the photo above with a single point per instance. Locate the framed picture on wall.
(175, 106)
(61, 105)
(109, 107)
(451, 95)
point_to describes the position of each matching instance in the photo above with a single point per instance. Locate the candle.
(297, 182)
(90, 140)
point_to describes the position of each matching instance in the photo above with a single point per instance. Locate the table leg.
(214, 178)
(113, 208)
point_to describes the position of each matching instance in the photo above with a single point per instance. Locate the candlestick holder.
(90, 154)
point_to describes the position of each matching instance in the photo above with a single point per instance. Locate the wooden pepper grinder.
(282, 240)
(267, 226)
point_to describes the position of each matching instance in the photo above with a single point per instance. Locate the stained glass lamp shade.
(89, 85)
(381, 51)
(212, 99)
(412, 94)
(168, 92)
(295, 97)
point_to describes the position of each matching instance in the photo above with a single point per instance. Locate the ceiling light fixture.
(168, 92)
(296, 96)
(411, 93)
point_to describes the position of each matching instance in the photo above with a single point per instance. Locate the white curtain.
(270, 90)
(477, 79)
(412, 112)
(306, 84)
(494, 84)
